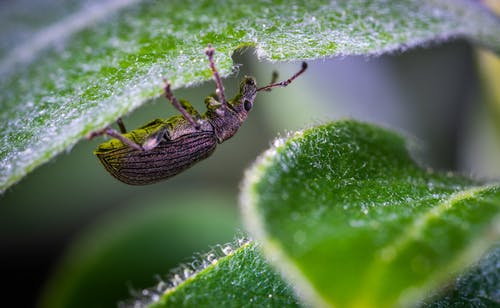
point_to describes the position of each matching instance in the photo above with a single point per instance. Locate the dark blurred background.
(71, 209)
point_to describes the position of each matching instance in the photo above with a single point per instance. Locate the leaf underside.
(102, 61)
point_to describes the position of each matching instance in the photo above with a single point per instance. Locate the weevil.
(163, 148)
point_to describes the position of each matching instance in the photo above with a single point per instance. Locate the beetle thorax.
(226, 122)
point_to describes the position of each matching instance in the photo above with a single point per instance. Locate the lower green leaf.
(238, 275)
(233, 275)
(478, 287)
(353, 221)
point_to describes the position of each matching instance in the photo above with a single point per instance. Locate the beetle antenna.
(284, 83)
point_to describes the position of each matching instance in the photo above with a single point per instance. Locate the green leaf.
(478, 287)
(98, 63)
(238, 275)
(234, 275)
(352, 220)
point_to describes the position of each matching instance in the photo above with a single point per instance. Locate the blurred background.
(72, 233)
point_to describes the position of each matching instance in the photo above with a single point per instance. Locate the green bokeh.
(125, 251)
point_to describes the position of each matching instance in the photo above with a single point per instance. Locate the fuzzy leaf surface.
(349, 217)
(97, 62)
(242, 278)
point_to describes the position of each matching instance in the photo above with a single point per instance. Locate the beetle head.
(243, 103)
(228, 122)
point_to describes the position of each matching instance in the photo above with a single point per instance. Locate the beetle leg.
(170, 96)
(123, 130)
(113, 133)
(220, 87)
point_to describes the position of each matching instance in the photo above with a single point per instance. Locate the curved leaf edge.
(474, 33)
(275, 253)
(186, 273)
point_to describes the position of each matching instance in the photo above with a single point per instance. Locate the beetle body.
(163, 148)
(168, 158)
(177, 144)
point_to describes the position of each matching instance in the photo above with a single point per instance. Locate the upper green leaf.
(83, 72)
(352, 220)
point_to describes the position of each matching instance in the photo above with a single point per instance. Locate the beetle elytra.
(163, 148)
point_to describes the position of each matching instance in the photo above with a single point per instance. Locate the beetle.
(163, 148)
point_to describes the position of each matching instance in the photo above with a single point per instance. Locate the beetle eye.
(247, 105)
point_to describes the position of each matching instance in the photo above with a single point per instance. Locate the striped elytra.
(168, 158)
